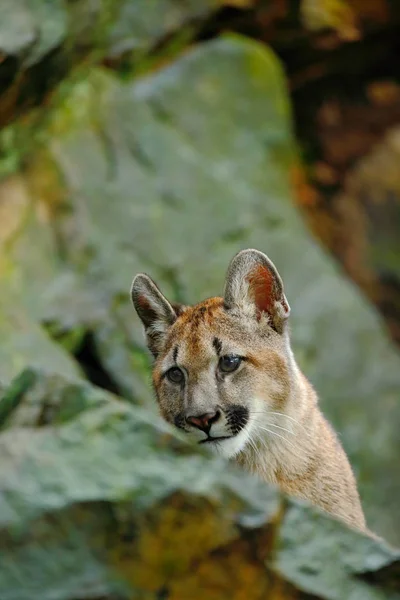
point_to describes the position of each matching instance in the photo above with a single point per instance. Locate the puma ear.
(154, 310)
(253, 285)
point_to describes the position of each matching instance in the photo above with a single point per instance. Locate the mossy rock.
(100, 499)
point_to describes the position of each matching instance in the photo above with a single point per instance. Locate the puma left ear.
(154, 310)
(253, 285)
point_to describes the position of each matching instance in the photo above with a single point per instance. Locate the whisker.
(273, 412)
(263, 442)
(279, 427)
(279, 436)
(293, 420)
(265, 413)
(254, 447)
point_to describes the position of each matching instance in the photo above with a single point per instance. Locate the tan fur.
(286, 440)
(319, 471)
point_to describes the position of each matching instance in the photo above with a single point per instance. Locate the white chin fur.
(228, 448)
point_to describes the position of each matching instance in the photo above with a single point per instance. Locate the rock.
(42, 42)
(99, 499)
(24, 342)
(138, 27)
(30, 277)
(321, 558)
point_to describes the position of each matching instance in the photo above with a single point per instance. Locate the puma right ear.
(253, 285)
(154, 310)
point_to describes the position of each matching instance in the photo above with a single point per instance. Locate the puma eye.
(175, 375)
(229, 363)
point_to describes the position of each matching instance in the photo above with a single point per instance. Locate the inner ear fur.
(254, 285)
(154, 310)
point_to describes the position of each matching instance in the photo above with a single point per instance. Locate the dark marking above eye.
(217, 345)
(175, 354)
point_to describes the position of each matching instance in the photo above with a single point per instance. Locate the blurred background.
(164, 136)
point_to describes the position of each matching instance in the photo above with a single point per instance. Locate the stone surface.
(41, 42)
(99, 499)
(31, 278)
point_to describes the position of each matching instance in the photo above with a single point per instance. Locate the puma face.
(221, 366)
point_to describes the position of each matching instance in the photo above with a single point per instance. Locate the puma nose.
(204, 421)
